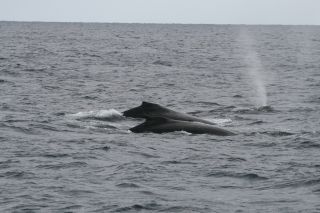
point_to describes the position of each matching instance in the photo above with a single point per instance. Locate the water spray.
(254, 68)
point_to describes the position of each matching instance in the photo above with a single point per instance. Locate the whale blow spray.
(254, 69)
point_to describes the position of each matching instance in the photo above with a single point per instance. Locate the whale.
(164, 125)
(147, 109)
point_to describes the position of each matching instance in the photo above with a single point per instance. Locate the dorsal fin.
(151, 106)
(145, 103)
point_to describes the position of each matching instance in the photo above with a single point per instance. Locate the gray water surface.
(66, 148)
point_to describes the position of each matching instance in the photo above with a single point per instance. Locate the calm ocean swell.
(65, 146)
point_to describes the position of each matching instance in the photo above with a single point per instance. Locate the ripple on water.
(8, 163)
(32, 207)
(153, 206)
(163, 63)
(128, 185)
(70, 208)
(17, 174)
(276, 133)
(186, 209)
(58, 166)
(257, 123)
(308, 144)
(246, 176)
(55, 155)
(306, 182)
(259, 110)
(145, 155)
(3, 81)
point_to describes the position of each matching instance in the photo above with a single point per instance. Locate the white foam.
(100, 114)
(185, 132)
(220, 121)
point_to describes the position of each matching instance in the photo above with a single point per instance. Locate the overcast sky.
(164, 11)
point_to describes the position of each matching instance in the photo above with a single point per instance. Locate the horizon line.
(160, 23)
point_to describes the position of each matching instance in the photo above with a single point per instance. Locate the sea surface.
(65, 146)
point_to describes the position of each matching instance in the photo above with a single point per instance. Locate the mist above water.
(254, 69)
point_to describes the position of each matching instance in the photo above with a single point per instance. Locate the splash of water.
(110, 114)
(254, 68)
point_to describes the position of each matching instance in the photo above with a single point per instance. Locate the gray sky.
(164, 11)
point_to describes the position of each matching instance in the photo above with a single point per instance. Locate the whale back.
(162, 125)
(146, 109)
(150, 123)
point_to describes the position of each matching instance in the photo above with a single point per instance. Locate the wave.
(314, 181)
(139, 207)
(3, 81)
(256, 122)
(263, 109)
(22, 129)
(57, 166)
(97, 121)
(276, 133)
(247, 176)
(219, 121)
(208, 103)
(163, 63)
(127, 185)
(309, 144)
(17, 174)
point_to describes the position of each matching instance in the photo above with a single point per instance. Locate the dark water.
(65, 146)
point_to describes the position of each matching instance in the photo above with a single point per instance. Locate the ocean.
(65, 146)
